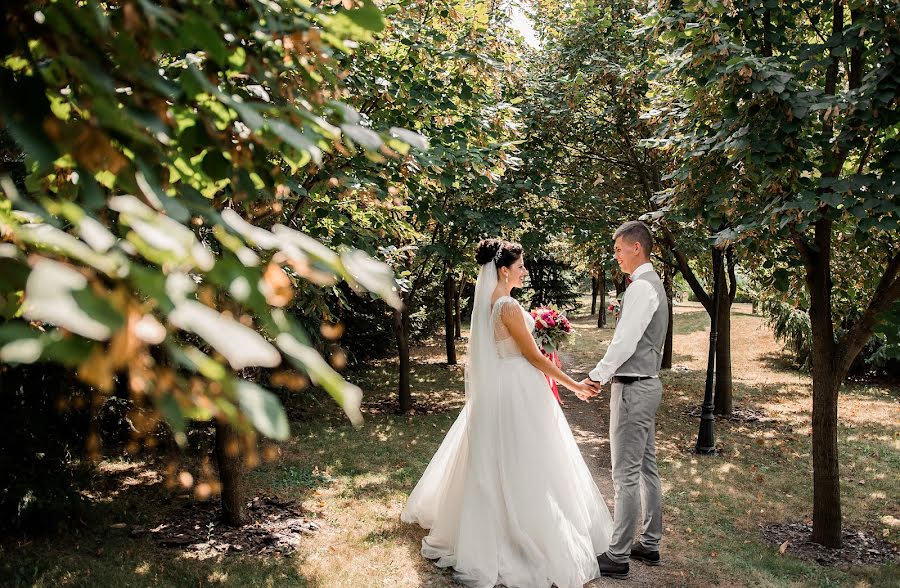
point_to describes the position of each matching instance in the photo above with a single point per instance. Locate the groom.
(632, 363)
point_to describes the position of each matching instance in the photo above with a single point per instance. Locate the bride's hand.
(584, 392)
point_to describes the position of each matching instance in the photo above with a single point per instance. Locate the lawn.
(353, 482)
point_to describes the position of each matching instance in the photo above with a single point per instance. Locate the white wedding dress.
(507, 497)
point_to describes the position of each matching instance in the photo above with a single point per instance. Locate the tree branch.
(813, 25)
(732, 289)
(687, 272)
(865, 155)
(886, 293)
(767, 33)
(855, 70)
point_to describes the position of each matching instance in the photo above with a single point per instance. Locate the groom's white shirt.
(641, 301)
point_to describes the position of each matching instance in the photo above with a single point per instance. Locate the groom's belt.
(629, 379)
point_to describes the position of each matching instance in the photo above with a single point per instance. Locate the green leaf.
(202, 34)
(215, 165)
(296, 139)
(20, 343)
(50, 297)
(368, 17)
(149, 185)
(365, 138)
(49, 238)
(410, 138)
(263, 409)
(375, 276)
(304, 357)
(13, 271)
(241, 346)
(171, 411)
(159, 238)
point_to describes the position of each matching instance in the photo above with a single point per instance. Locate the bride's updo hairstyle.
(502, 253)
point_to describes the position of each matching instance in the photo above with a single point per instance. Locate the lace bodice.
(506, 345)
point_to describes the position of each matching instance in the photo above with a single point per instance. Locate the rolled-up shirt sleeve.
(639, 303)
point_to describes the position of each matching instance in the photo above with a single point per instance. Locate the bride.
(507, 497)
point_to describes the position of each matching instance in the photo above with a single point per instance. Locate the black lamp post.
(706, 438)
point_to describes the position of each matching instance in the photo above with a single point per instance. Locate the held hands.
(587, 389)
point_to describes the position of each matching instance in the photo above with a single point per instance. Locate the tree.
(591, 130)
(798, 104)
(724, 386)
(442, 69)
(155, 139)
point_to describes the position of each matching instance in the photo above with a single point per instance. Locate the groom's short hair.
(636, 232)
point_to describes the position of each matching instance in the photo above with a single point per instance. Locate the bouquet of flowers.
(551, 328)
(615, 307)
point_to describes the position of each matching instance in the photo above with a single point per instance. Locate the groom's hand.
(584, 392)
(592, 387)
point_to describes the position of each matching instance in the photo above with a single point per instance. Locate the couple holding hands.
(507, 497)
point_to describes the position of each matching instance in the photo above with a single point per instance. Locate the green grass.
(97, 555)
(355, 481)
(691, 322)
(120, 566)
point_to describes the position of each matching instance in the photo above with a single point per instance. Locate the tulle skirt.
(507, 497)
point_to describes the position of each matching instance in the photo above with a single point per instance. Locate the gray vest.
(647, 356)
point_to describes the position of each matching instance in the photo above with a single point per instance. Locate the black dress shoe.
(611, 569)
(641, 553)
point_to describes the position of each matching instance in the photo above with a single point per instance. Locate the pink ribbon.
(553, 386)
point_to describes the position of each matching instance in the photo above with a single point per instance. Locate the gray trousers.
(632, 441)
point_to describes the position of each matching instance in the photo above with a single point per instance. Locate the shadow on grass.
(112, 561)
(762, 475)
(679, 358)
(780, 362)
(106, 551)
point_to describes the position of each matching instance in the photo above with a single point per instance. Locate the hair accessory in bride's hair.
(499, 252)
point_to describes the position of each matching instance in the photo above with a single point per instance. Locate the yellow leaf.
(97, 370)
(278, 289)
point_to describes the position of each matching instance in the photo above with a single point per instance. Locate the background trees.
(787, 115)
(446, 70)
(766, 131)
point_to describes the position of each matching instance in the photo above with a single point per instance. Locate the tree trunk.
(457, 313)
(668, 284)
(826, 469)
(826, 376)
(401, 332)
(536, 278)
(595, 287)
(231, 475)
(619, 282)
(724, 388)
(449, 298)
(601, 316)
(724, 384)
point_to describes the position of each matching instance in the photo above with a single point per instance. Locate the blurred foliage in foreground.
(145, 240)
